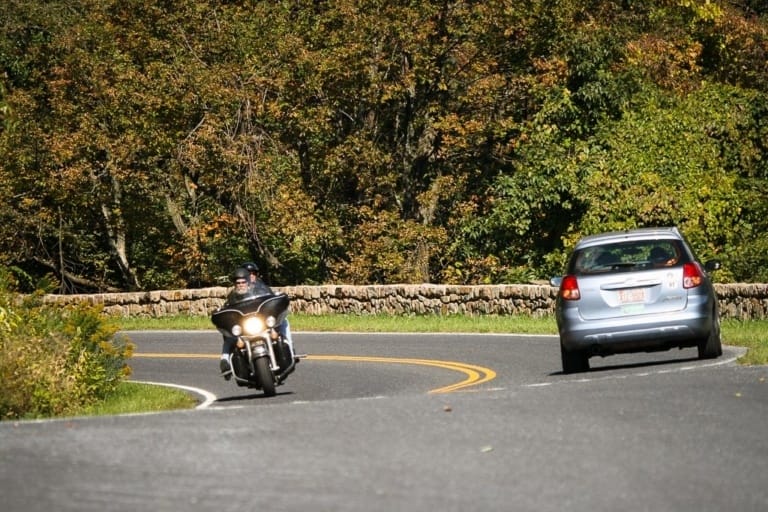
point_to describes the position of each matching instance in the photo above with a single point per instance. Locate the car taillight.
(693, 276)
(569, 288)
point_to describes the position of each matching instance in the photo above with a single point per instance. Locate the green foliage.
(54, 361)
(470, 142)
(660, 165)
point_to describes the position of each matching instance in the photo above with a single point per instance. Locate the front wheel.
(265, 376)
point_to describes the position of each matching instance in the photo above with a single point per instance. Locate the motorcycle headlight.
(271, 321)
(237, 330)
(253, 325)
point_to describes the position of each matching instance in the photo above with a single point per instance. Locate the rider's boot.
(225, 367)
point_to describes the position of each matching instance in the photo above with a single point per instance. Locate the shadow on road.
(253, 396)
(627, 366)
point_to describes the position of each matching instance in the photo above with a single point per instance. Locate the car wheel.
(712, 346)
(574, 361)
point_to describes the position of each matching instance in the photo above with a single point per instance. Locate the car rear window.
(627, 256)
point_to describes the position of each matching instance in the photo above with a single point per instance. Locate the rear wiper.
(619, 264)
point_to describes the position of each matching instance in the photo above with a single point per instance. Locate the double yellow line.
(475, 374)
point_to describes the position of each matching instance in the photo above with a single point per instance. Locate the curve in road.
(475, 374)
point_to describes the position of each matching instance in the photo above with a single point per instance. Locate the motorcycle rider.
(258, 286)
(241, 279)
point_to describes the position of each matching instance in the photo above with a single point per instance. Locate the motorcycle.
(261, 359)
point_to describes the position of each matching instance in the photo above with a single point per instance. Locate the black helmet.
(241, 273)
(250, 266)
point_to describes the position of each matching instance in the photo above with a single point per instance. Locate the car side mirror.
(712, 265)
(556, 281)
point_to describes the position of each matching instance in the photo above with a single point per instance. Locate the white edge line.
(208, 397)
(740, 351)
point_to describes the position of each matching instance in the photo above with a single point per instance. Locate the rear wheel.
(574, 361)
(265, 376)
(712, 346)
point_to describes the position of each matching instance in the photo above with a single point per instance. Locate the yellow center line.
(475, 374)
(161, 355)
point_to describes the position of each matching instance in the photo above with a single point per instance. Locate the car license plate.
(632, 296)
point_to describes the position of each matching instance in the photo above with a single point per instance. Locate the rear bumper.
(635, 334)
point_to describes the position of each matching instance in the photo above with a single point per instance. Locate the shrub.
(54, 360)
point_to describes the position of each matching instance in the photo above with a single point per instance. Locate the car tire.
(574, 361)
(712, 346)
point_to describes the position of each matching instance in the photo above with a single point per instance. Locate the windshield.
(249, 294)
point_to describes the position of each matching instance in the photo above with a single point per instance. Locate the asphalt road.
(411, 422)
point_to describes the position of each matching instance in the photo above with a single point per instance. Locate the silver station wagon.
(640, 290)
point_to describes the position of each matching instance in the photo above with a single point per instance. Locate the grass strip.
(134, 397)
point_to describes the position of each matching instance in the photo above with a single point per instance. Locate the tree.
(660, 165)
(369, 141)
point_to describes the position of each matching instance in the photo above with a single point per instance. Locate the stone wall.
(742, 301)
